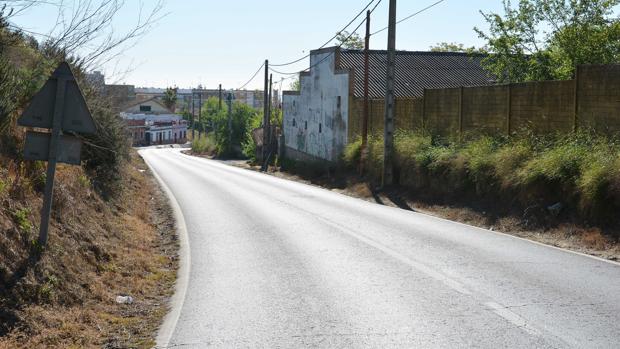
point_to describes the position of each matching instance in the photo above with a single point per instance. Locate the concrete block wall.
(545, 106)
(442, 110)
(598, 92)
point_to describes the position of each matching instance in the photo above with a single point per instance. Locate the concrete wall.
(408, 115)
(598, 91)
(315, 119)
(592, 101)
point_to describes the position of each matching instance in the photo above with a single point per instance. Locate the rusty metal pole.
(364, 150)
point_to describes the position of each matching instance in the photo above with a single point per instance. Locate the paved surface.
(279, 264)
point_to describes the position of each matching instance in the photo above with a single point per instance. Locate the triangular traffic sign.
(75, 114)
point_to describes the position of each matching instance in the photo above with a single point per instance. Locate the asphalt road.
(279, 264)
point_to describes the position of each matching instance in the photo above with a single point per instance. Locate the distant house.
(320, 119)
(148, 106)
(150, 129)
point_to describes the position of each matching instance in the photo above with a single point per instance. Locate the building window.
(145, 108)
(320, 128)
(339, 101)
(169, 134)
(306, 126)
(294, 123)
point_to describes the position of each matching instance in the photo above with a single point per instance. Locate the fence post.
(461, 113)
(576, 102)
(509, 108)
(423, 110)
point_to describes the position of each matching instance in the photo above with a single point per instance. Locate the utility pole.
(220, 98)
(388, 134)
(364, 152)
(229, 102)
(200, 113)
(193, 117)
(265, 111)
(270, 101)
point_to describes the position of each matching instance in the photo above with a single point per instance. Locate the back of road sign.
(75, 114)
(38, 147)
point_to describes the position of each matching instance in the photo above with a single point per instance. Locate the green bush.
(204, 145)
(352, 153)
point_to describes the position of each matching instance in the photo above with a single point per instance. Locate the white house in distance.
(150, 122)
(149, 129)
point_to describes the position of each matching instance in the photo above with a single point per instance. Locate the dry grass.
(97, 251)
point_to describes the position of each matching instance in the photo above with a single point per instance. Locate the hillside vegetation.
(110, 233)
(575, 177)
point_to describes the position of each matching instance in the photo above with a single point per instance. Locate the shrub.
(204, 145)
(352, 153)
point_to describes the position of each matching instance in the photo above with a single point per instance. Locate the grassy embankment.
(525, 175)
(65, 295)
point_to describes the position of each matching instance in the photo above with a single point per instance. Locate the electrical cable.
(412, 15)
(330, 40)
(252, 78)
(331, 53)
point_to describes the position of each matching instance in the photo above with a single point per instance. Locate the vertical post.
(423, 110)
(229, 102)
(46, 209)
(388, 134)
(364, 152)
(461, 113)
(193, 117)
(269, 136)
(200, 113)
(509, 109)
(265, 111)
(220, 97)
(576, 111)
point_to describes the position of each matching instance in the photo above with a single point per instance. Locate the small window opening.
(306, 126)
(320, 128)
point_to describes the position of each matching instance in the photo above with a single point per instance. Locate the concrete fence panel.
(598, 97)
(442, 110)
(485, 109)
(543, 107)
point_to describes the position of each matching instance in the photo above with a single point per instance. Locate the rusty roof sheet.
(415, 71)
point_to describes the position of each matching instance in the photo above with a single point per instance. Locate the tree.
(170, 98)
(349, 41)
(451, 47)
(295, 85)
(547, 39)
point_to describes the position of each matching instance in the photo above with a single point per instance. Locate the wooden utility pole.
(220, 97)
(388, 134)
(200, 113)
(230, 102)
(270, 101)
(364, 152)
(193, 117)
(265, 111)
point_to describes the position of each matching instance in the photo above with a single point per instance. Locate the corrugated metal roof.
(415, 71)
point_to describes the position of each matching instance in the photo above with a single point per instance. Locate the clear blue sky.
(212, 41)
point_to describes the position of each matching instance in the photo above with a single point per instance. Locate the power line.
(331, 53)
(332, 38)
(412, 15)
(252, 78)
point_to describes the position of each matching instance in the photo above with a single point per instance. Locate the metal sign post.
(58, 106)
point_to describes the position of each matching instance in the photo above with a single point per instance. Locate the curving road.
(279, 264)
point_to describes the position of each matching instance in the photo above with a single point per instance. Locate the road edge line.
(166, 329)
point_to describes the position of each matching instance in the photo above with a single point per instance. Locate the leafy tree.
(350, 41)
(295, 85)
(546, 39)
(451, 47)
(170, 98)
(244, 119)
